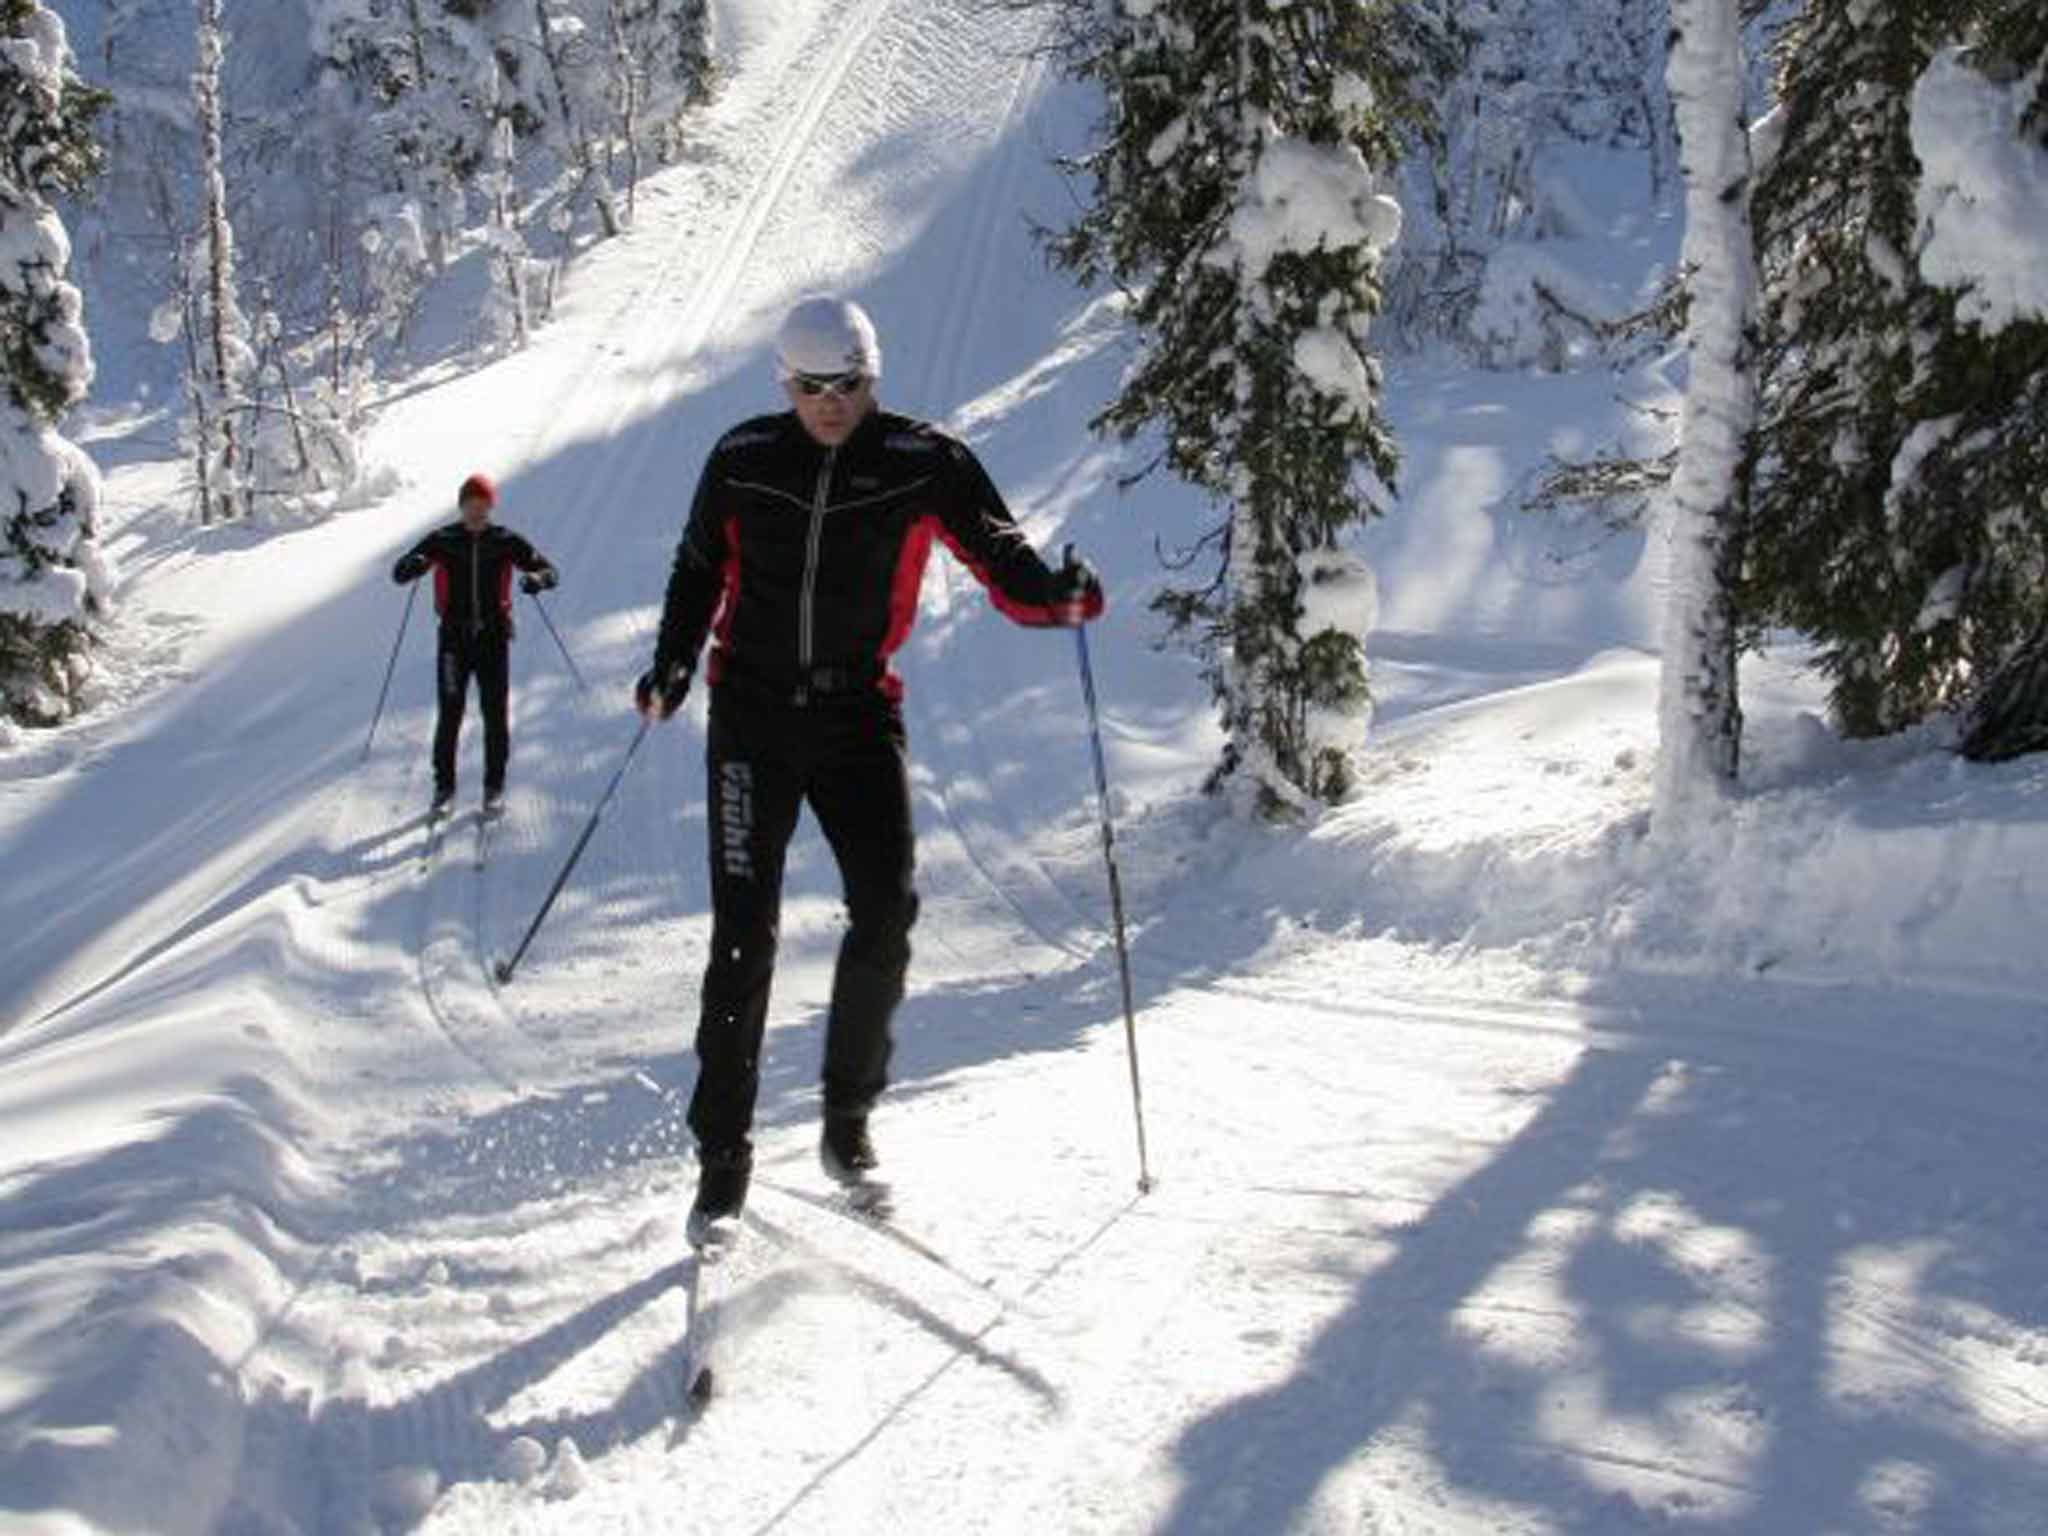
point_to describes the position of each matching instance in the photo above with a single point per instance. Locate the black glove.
(1076, 591)
(661, 698)
(542, 580)
(409, 568)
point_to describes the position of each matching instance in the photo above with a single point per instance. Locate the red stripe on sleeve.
(1037, 615)
(905, 584)
(728, 601)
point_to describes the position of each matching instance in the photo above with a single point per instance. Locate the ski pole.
(571, 660)
(390, 668)
(1116, 902)
(504, 968)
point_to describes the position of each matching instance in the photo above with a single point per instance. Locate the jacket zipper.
(476, 601)
(805, 627)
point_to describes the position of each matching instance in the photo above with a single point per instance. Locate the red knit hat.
(478, 485)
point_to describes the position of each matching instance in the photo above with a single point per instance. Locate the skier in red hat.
(473, 560)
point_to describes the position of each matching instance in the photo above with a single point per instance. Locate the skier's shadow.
(395, 845)
(363, 1455)
(449, 1424)
(894, 1299)
(385, 1467)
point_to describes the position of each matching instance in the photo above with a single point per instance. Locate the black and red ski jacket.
(472, 574)
(802, 562)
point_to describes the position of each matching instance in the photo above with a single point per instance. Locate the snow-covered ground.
(1514, 1174)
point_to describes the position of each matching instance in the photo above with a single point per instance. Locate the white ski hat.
(826, 335)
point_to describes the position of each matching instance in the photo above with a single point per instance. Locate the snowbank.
(1515, 825)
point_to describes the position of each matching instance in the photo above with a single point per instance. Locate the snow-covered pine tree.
(431, 76)
(1236, 202)
(1981, 132)
(660, 64)
(1523, 88)
(563, 44)
(1700, 715)
(1898, 444)
(505, 313)
(424, 71)
(378, 253)
(299, 421)
(53, 576)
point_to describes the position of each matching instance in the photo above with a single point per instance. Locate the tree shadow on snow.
(1676, 1296)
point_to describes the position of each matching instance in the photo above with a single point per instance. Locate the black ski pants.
(485, 655)
(766, 757)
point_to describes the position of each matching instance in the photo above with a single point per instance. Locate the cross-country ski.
(433, 834)
(487, 821)
(711, 1245)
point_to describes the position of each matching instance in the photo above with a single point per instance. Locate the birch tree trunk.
(219, 238)
(1700, 714)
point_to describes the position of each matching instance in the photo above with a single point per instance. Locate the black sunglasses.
(841, 384)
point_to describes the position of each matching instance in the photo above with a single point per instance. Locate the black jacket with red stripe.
(472, 574)
(802, 562)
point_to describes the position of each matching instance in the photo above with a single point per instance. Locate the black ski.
(437, 830)
(705, 1298)
(486, 824)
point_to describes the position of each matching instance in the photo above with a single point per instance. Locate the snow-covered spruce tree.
(506, 312)
(299, 421)
(1235, 201)
(1899, 443)
(660, 64)
(423, 70)
(1530, 86)
(1980, 129)
(1700, 715)
(563, 44)
(53, 576)
(380, 247)
(219, 383)
(349, 314)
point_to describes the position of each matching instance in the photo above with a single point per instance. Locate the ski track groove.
(944, 382)
(621, 471)
(446, 956)
(731, 248)
(454, 966)
(449, 1426)
(963, 1346)
(941, 718)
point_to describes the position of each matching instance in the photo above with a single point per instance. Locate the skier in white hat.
(800, 563)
